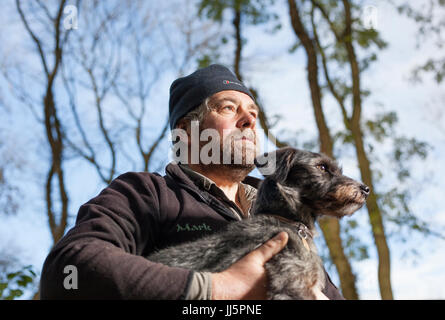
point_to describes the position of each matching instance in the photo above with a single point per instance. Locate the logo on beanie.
(232, 82)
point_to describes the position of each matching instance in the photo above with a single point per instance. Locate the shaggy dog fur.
(304, 186)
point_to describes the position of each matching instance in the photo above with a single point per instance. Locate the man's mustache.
(247, 134)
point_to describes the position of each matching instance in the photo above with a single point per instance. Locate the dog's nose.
(365, 189)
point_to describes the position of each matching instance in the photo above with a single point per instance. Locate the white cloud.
(423, 280)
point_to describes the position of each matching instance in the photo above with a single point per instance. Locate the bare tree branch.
(34, 37)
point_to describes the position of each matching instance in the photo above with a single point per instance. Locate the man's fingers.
(270, 248)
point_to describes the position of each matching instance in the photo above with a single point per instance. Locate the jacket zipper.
(215, 205)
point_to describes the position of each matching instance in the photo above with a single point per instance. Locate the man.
(141, 212)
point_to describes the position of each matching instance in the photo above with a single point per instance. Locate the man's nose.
(246, 120)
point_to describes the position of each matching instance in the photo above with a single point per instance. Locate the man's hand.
(246, 278)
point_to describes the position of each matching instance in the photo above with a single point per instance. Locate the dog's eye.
(322, 167)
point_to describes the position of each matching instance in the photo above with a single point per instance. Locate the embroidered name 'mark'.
(193, 227)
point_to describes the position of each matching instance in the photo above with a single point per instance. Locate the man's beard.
(237, 153)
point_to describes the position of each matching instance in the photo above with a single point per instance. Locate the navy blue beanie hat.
(188, 92)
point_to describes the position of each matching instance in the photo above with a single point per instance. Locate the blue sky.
(281, 79)
(413, 277)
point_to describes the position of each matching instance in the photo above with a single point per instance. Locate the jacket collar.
(175, 171)
(196, 183)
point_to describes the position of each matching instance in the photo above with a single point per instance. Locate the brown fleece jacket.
(136, 214)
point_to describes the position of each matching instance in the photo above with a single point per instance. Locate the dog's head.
(305, 182)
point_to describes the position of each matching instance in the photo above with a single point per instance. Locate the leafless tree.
(50, 52)
(122, 53)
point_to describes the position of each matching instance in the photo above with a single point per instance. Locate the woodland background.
(84, 98)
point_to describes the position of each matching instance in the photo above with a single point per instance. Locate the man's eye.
(228, 108)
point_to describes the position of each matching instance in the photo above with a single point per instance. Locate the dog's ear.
(276, 198)
(276, 164)
(291, 197)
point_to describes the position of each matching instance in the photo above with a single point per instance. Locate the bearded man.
(213, 122)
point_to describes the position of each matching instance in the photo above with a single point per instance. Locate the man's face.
(234, 116)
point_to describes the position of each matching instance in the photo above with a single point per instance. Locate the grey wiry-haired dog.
(304, 186)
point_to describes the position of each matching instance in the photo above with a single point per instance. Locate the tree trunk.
(374, 211)
(262, 118)
(53, 128)
(329, 226)
(239, 42)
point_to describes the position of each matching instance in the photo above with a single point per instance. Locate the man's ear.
(182, 124)
(276, 164)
